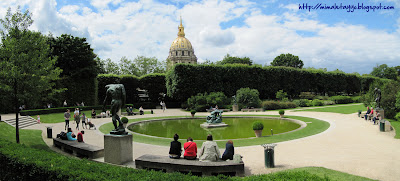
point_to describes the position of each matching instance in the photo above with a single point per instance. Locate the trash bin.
(269, 155)
(382, 125)
(49, 132)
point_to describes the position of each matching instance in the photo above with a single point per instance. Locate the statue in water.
(215, 117)
(377, 93)
(118, 96)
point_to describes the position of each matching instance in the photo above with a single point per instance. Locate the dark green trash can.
(49, 132)
(382, 125)
(269, 155)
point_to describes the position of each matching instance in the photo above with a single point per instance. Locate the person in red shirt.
(190, 148)
(80, 136)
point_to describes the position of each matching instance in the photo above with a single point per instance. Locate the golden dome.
(181, 50)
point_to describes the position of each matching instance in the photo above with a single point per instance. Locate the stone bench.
(252, 110)
(79, 149)
(211, 110)
(195, 167)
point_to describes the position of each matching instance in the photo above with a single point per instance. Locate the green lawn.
(330, 174)
(343, 109)
(396, 126)
(32, 138)
(314, 127)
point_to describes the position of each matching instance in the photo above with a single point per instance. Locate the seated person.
(141, 111)
(80, 136)
(91, 125)
(93, 113)
(375, 119)
(371, 114)
(130, 113)
(209, 150)
(70, 135)
(108, 114)
(176, 148)
(190, 148)
(366, 114)
(229, 151)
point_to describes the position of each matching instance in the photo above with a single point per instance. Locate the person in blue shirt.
(69, 135)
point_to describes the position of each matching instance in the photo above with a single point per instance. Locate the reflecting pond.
(238, 128)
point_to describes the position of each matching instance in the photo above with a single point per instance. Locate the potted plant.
(124, 121)
(281, 113)
(193, 112)
(258, 127)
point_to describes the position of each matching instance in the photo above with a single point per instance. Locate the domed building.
(181, 50)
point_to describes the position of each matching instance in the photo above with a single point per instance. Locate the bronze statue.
(118, 96)
(377, 93)
(215, 117)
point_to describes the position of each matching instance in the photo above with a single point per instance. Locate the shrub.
(247, 97)
(356, 99)
(124, 120)
(273, 105)
(193, 112)
(341, 99)
(397, 117)
(281, 111)
(201, 102)
(328, 102)
(302, 102)
(307, 95)
(281, 95)
(258, 125)
(317, 102)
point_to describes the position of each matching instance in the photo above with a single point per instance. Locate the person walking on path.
(84, 121)
(67, 115)
(77, 120)
(164, 106)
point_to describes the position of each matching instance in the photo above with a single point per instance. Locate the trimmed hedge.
(60, 109)
(186, 80)
(20, 162)
(341, 99)
(273, 105)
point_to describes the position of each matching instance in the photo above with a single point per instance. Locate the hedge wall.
(186, 80)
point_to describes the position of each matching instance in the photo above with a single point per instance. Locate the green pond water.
(238, 128)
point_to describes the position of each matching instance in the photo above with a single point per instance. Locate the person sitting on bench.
(70, 135)
(130, 113)
(91, 125)
(175, 150)
(375, 119)
(141, 110)
(80, 136)
(366, 114)
(209, 150)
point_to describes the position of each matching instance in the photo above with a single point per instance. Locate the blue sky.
(260, 29)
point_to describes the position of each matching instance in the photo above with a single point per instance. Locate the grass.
(396, 125)
(343, 109)
(59, 117)
(31, 138)
(331, 174)
(314, 127)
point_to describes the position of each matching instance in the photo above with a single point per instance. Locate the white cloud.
(148, 28)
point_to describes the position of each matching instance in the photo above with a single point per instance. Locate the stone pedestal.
(235, 108)
(381, 112)
(118, 149)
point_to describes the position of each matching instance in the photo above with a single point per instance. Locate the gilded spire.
(181, 29)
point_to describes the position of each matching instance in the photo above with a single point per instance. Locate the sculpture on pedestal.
(118, 96)
(215, 117)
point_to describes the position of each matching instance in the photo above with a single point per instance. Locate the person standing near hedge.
(175, 150)
(77, 120)
(67, 115)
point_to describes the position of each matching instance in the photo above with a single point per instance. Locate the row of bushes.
(184, 80)
(272, 105)
(20, 162)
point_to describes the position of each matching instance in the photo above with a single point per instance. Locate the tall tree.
(78, 62)
(384, 71)
(232, 60)
(287, 60)
(147, 65)
(127, 66)
(26, 69)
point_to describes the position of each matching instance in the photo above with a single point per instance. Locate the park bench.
(79, 149)
(211, 110)
(195, 167)
(252, 110)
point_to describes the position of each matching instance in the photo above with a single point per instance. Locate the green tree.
(110, 67)
(127, 66)
(247, 97)
(287, 60)
(26, 68)
(78, 62)
(281, 95)
(147, 65)
(238, 60)
(384, 71)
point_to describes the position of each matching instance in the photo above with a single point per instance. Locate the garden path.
(350, 145)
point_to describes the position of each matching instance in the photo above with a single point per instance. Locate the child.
(38, 119)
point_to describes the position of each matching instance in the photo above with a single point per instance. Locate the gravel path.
(350, 145)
